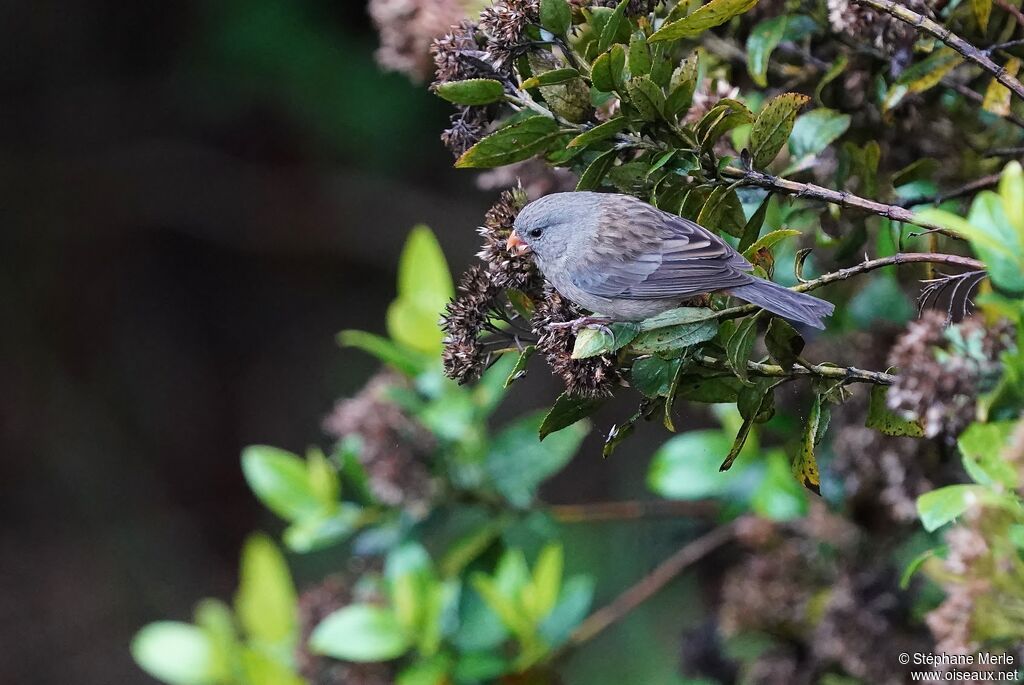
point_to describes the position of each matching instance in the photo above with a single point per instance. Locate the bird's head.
(545, 226)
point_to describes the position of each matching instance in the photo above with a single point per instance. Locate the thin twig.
(631, 510)
(1012, 9)
(1006, 152)
(976, 97)
(933, 28)
(966, 189)
(863, 267)
(835, 197)
(840, 373)
(651, 584)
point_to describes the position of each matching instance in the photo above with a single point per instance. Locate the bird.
(625, 260)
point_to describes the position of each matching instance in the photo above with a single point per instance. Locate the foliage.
(785, 128)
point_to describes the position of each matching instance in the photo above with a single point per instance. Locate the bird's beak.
(516, 245)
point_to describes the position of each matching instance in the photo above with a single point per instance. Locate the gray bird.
(626, 260)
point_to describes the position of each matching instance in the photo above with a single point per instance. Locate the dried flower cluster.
(481, 298)
(393, 447)
(406, 29)
(826, 606)
(464, 322)
(942, 370)
(877, 28)
(504, 24)
(458, 56)
(592, 377)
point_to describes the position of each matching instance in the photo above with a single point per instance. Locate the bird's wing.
(650, 254)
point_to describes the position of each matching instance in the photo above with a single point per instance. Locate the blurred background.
(195, 198)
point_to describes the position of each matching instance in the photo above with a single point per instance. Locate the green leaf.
(715, 13)
(919, 169)
(982, 446)
(567, 410)
(519, 369)
(884, 420)
(262, 668)
(1011, 191)
(726, 115)
(513, 143)
(834, 71)
(683, 84)
(319, 532)
(686, 466)
(612, 26)
(773, 125)
(593, 175)
(815, 131)
(805, 466)
(769, 241)
(573, 602)
(551, 78)
(280, 480)
(763, 40)
(639, 56)
(176, 653)
(653, 376)
(779, 497)
(647, 97)
(752, 229)
(723, 212)
(503, 606)
(518, 462)
(939, 507)
(740, 344)
(992, 237)
(676, 316)
(424, 288)
(555, 16)
(474, 91)
(708, 389)
(674, 338)
(408, 362)
(783, 342)
(360, 633)
(599, 132)
(606, 72)
(591, 342)
(265, 601)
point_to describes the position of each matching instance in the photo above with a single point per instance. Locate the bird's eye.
(536, 232)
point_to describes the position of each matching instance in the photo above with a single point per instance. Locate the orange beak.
(515, 244)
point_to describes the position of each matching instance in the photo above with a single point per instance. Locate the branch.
(835, 197)
(651, 584)
(979, 57)
(966, 189)
(863, 267)
(978, 98)
(839, 373)
(631, 510)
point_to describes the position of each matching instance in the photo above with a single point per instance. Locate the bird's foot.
(599, 323)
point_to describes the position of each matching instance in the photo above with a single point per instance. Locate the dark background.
(194, 198)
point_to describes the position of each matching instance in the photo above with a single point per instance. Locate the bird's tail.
(784, 302)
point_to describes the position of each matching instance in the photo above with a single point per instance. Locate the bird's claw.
(576, 325)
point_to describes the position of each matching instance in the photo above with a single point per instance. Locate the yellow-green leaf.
(773, 125)
(805, 466)
(599, 132)
(715, 13)
(997, 96)
(982, 9)
(884, 420)
(266, 599)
